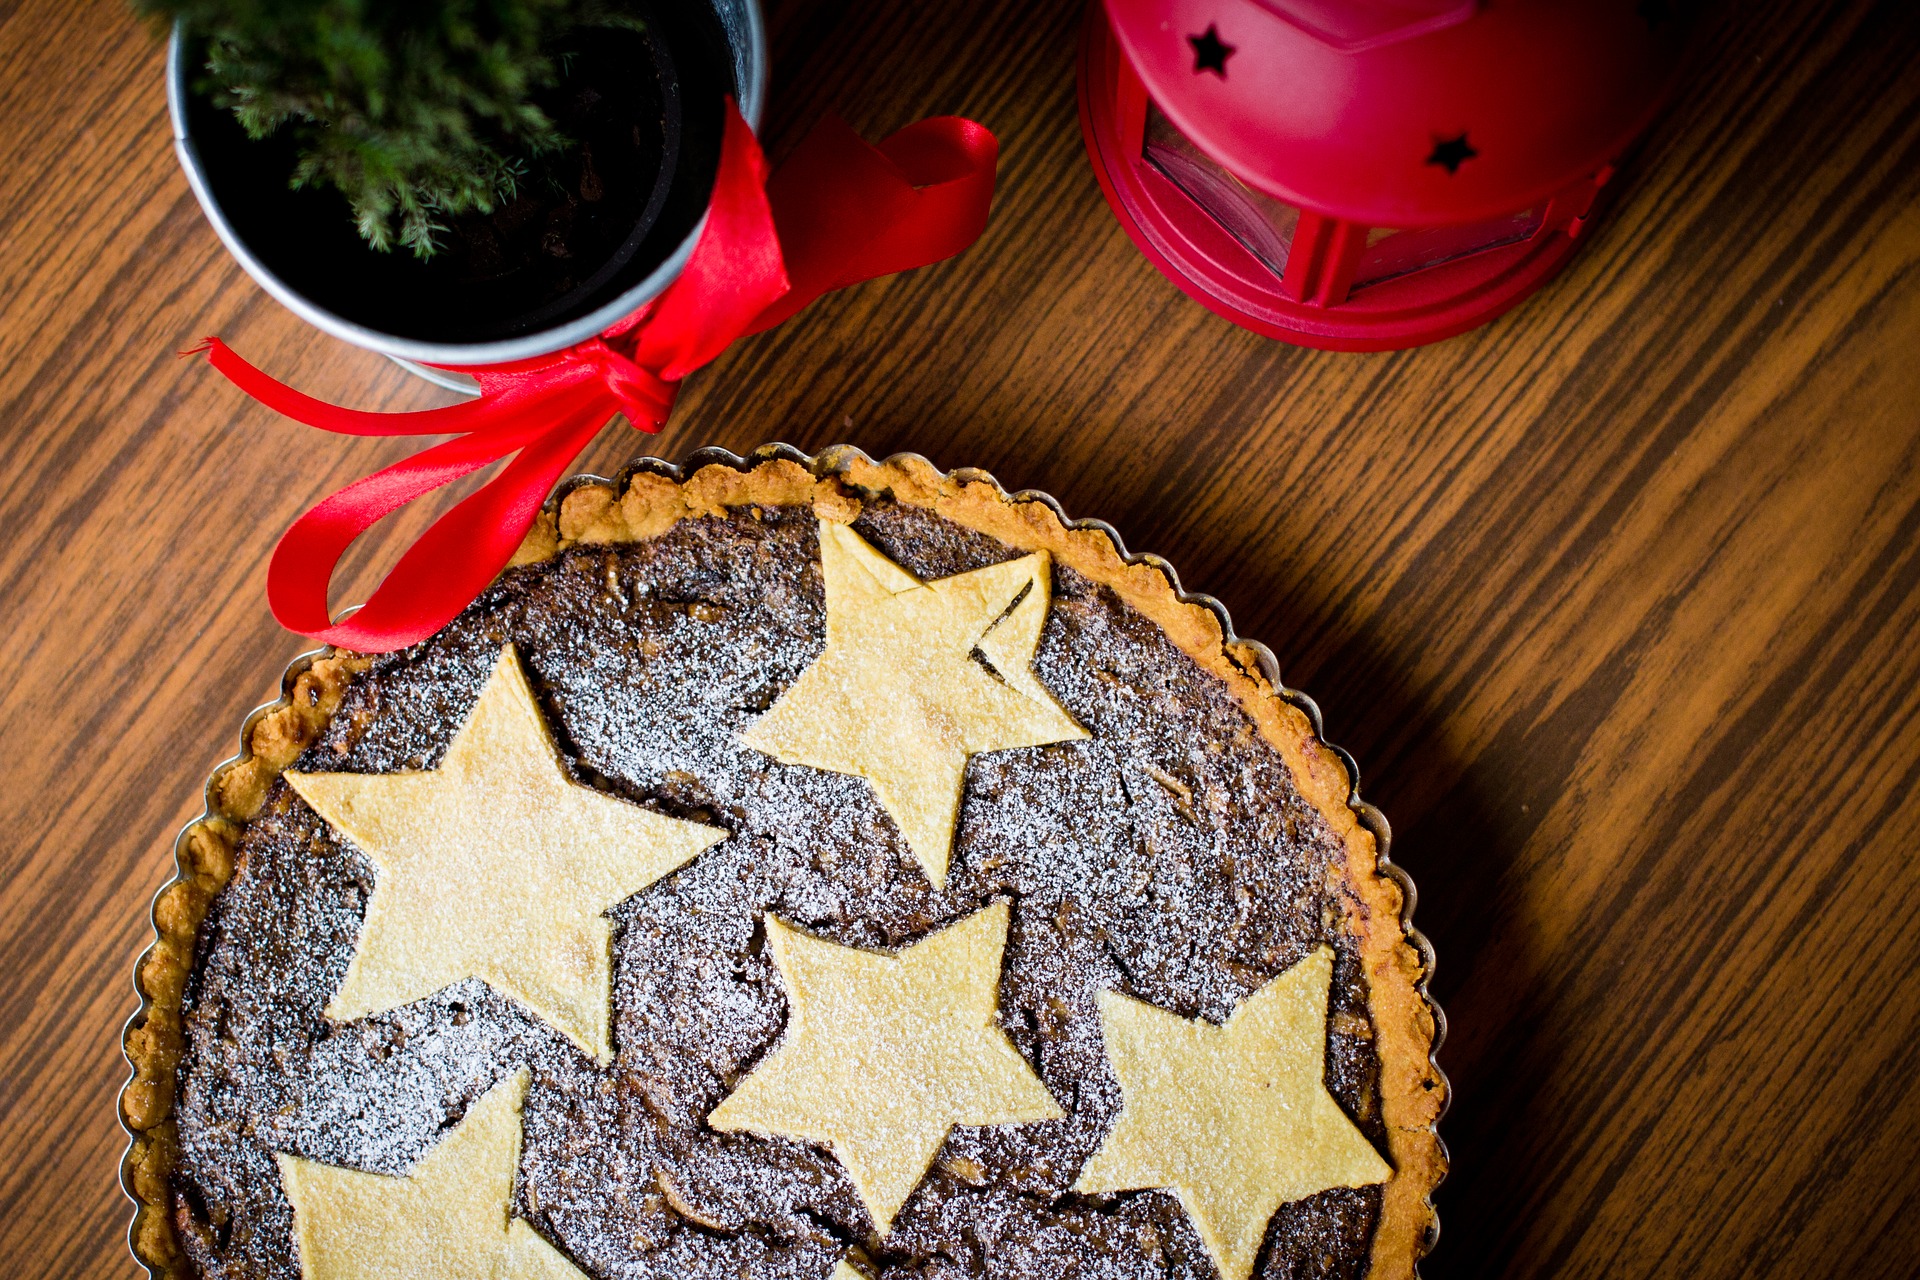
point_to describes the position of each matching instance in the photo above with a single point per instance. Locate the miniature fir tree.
(415, 110)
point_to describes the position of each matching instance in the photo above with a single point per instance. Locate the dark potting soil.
(576, 207)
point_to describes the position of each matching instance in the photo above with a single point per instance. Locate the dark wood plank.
(1614, 600)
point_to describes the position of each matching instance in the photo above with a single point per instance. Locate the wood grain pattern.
(1615, 601)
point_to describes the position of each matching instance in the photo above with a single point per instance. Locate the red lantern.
(1363, 175)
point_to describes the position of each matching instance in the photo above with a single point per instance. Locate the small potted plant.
(458, 181)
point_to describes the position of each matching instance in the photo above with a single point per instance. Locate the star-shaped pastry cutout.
(496, 866)
(884, 1054)
(1210, 52)
(1235, 1119)
(447, 1219)
(1451, 153)
(917, 678)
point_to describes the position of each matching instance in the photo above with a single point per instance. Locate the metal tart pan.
(209, 811)
(832, 461)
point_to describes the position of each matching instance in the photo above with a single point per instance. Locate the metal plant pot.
(302, 248)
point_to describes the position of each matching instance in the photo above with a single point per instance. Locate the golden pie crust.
(645, 502)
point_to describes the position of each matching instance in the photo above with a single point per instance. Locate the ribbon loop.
(643, 395)
(838, 212)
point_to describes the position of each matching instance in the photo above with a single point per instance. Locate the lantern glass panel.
(1264, 225)
(1393, 253)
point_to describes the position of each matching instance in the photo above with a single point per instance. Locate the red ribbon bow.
(838, 212)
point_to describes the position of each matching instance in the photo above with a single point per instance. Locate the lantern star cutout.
(447, 1219)
(1210, 52)
(1451, 153)
(1235, 1119)
(917, 678)
(496, 866)
(884, 1054)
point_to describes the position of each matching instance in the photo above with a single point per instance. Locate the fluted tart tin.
(659, 509)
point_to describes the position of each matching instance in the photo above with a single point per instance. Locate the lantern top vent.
(1353, 25)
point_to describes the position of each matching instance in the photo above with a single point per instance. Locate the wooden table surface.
(1615, 600)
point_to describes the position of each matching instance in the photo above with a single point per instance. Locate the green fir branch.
(418, 111)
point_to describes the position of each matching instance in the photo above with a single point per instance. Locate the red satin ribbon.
(838, 212)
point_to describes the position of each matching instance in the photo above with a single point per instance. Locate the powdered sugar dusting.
(1169, 856)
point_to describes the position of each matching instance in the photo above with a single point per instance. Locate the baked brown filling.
(1170, 857)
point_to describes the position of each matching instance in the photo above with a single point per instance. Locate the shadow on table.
(1460, 828)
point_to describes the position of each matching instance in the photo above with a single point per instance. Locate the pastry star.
(899, 698)
(884, 1055)
(445, 1220)
(1236, 1119)
(496, 866)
